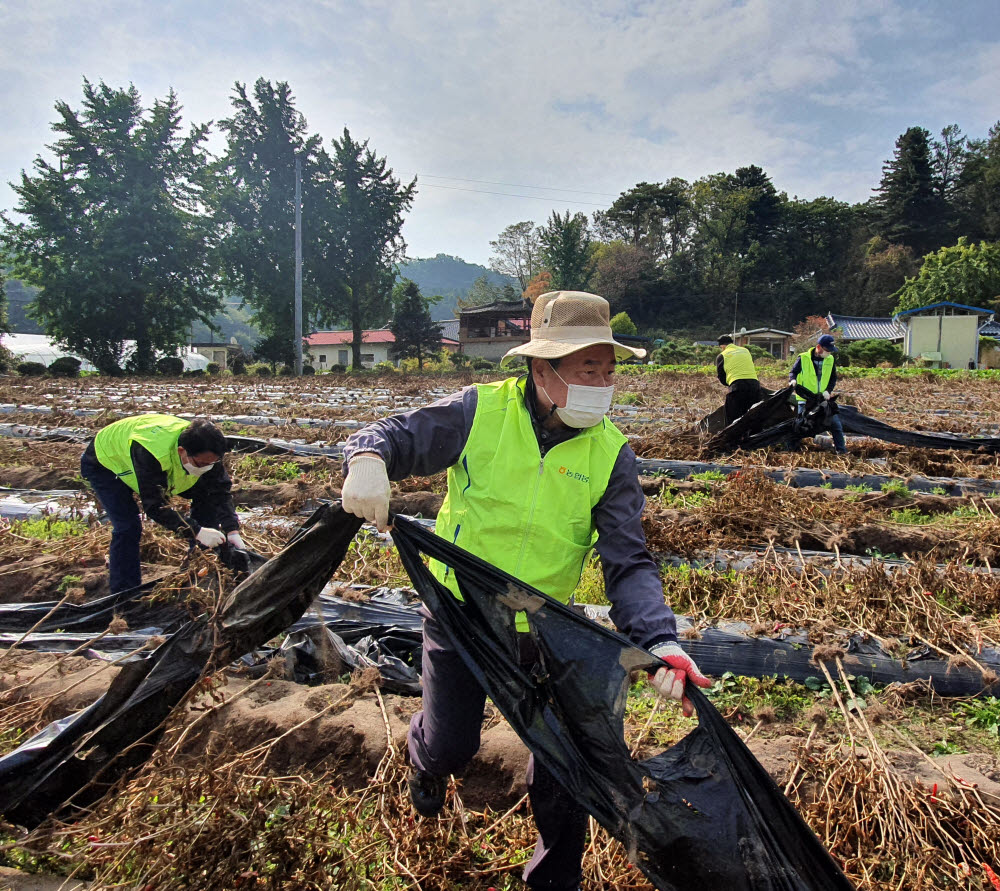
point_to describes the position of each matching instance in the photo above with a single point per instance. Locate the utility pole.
(298, 267)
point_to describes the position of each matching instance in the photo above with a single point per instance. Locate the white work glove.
(236, 541)
(366, 489)
(669, 682)
(826, 395)
(209, 538)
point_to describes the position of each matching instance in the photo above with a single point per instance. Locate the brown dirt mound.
(38, 579)
(38, 478)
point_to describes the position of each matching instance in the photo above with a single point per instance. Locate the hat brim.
(557, 349)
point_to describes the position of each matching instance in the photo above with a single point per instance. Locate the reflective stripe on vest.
(807, 374)
(738, 364)
(157, 434)
(529, 516)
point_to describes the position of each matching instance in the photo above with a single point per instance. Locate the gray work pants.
(444, 737)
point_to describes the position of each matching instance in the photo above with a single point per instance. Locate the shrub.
(480, 364)
(171, 366)
(872, 353)
(194, 372)
(308, 369)
(286, 371)
(260, 370)
(66, 366)
(30, 369)
(338, 368)
(623, 324)
(384, 368)
(213, 368)
(238, 365)
(677, 352)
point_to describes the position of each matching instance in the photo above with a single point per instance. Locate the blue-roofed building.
(944, 333)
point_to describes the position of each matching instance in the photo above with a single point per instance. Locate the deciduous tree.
(963, 273)
(978, 192)
(517, 252)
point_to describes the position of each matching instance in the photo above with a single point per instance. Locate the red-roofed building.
(325, 349)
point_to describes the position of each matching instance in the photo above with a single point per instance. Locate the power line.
(509, 195)
(490, 182)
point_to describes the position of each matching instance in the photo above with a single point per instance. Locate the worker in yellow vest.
(815, 372)
(734, 366)
(537, 477)
(156, 457)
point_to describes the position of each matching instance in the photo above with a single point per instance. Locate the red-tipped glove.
(669, 682)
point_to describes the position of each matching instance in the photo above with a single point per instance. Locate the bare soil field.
(259, 782)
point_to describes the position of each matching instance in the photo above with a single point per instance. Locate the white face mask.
(585, 406)
(195, 470)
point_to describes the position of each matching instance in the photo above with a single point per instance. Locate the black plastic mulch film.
(73, 762)
(700, 816)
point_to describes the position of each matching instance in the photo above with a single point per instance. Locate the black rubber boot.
(427, 792)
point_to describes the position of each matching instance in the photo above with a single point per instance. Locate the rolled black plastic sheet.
(74, 762)
(772, 421)
(701, 816)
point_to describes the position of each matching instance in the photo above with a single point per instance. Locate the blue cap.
(828, 343)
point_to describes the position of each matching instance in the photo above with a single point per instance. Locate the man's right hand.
(366, 489)
(209, 538)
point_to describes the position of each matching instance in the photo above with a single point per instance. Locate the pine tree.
(566, 251)
(417, 335)
(911, 209)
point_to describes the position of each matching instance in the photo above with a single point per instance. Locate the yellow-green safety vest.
(738, 364)
(528, 515)
(155, 433)
(807, 374)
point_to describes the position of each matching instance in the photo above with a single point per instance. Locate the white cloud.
(592, 95)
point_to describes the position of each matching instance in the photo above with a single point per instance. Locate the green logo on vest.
(570, 474)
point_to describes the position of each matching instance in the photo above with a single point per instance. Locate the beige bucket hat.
(563, 322)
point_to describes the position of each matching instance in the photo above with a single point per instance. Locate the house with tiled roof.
(851, 328)
(324, 349)
(493, 328)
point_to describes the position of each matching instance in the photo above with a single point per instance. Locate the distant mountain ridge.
(447, 276)
(442, 275)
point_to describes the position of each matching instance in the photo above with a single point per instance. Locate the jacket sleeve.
(720, 368)
(212, 495)
(420, 442)
(796, 369)
(833, 378)
(631, 575)
(152, 482)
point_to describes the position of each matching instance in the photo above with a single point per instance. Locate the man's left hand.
(669, 682)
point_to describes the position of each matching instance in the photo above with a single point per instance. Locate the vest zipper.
(531, 516)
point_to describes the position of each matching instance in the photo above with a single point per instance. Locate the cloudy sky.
(507, 111)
